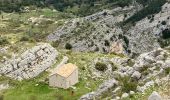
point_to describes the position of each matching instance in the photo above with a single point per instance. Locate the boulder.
(154, 96)
(125, 95)
(136, 75)
(132, 93)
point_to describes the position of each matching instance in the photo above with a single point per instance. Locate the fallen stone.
(125, 95)
(154, 96)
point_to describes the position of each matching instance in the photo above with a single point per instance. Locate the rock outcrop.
(31, 63)
(102, 89)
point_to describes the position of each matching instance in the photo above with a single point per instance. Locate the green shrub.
(163, 22)
(32, 40)
(101, 66)
(167, 70)
(163, 42)
(166, 34)
(68, 46)
(3, 41)
(144, 70)
(152, 7)
(1, 97)
(130, 62)
(24, 38)
(127, 84)
(106, 43)
(126, 40)
(55, 43)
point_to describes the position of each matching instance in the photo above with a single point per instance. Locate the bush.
(1, 97)
(152, 7)
(68, 46)
(33, 97)
(3, 41)
(163, 43)
(126, 40)
(127, 84)
(55, 43)
(167, 70)
(166, 34)
(163, 22)
(144, 70)
(106, 43)
(105, 13)
(130, 62)
(101, 66)
(24, 38)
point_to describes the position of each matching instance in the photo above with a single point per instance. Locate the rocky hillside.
(151, 32)
(97, 32)
(104, 32)
(148, 70)
(121, 49)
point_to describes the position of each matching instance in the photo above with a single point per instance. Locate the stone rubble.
(102, 89)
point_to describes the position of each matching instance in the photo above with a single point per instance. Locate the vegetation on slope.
(152, 7)
(77, 7)
(38, 89)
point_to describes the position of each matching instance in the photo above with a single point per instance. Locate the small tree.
(68, 46)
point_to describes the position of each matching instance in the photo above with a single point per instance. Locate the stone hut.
(64, 77)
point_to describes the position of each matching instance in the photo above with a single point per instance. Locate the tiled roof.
(66, 70)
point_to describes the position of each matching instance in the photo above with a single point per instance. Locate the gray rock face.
(31, 63)
(154, 96)
(143, 36)
(100, 33)
(97, 32)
